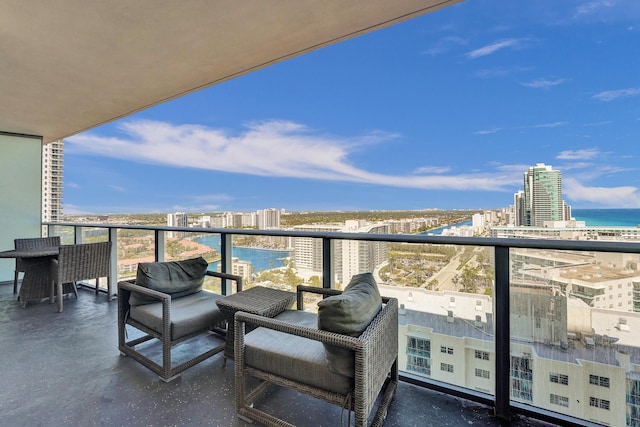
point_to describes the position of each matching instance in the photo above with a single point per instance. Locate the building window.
(447, 367)
(601, 381)
(538, 323)
(446, 350)
(482, 373)
(419, 347)
(599, 403)
(559, 400)
(484, 355)
(521, 378)
(418, 364)
(559, 379)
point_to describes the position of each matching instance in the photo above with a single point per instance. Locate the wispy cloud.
(584, 154)
(444, 45)
(593, 7)
(611, 95)
(497, 46)
(487, 131)
(543, 83)
(274, 148)
(539, 126)
(620, 197)
(498, 72)
(432, 170)
(544, 125)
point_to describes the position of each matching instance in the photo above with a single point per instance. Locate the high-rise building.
(268, 218)
(519, 217)
(52, 178)
(178, 219)
(542, 197)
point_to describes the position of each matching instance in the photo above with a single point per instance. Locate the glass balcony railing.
(548, 328)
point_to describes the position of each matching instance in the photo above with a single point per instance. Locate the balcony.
(65, 369)
(451, 342)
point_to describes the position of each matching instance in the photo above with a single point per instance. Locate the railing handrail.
(523, 243)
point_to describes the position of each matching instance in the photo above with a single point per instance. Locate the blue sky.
(444, 111)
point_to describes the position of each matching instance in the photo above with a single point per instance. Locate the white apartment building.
(268, 218)
(603, 280)
(52, 182)
(178, 219)
(593, 375)
(571, 230)
(241, 268)
(307, 251)
(350, 256)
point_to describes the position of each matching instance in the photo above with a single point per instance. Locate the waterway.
(261, 259)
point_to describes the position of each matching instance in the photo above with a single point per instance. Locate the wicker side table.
(259, 300)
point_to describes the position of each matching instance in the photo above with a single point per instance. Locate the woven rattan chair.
(288, 351)
(79, 262)
(31, 243)
(171, 319)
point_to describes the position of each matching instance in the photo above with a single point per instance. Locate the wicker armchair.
(171, 318)
(288, 350)
(31, 243)
(78, 262)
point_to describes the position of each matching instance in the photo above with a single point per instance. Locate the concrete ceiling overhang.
(71, 65)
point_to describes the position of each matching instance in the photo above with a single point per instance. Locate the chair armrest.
(237, 279)
(301, 289)
(132, 287)
(241, 318)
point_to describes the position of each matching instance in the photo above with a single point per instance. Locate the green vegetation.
(413, 264)
(300, 218)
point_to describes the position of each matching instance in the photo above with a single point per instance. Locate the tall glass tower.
(543, 196)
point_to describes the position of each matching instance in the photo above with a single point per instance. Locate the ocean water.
(608, 217)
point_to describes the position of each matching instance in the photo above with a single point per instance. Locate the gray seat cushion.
(177, 278)
(189, 314)
(349, 313)
(292, 357)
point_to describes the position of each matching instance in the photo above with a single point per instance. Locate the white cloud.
(543, 83)
(539, 126)
(275, 149)
(444, 45)
(498, 72)
(620, 197)
(584, 154)
(496, 46)
(487, 131)
(611, 95)
(432, 169)
(593, 7)
(544, 125)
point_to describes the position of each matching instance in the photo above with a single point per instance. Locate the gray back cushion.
(349, 314)
(177, 278)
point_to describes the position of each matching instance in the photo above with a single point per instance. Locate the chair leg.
(59, 297)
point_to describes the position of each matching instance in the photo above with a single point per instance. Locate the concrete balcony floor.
(65, 369)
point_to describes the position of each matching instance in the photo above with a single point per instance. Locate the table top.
(31, 253)
(258, 300)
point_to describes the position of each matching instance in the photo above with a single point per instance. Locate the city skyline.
(445, 111)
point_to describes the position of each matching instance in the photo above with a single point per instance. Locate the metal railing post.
(160, 245)
(502, 331)
(327, 263)
(226, 248)
(77, 235)
(113, 265)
